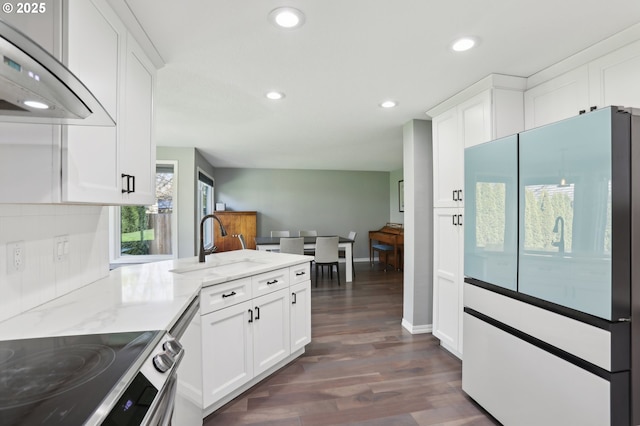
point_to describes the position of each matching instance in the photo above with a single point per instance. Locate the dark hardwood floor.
(361, 367)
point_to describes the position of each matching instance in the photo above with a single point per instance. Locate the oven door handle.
(163, 410)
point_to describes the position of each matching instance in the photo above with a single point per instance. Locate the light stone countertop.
(140, 297)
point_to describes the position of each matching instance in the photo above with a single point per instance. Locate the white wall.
(43, 279)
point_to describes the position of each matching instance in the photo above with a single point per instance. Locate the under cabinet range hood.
(36, 88)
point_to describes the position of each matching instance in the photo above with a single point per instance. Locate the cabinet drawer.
(220, 296)
(270, 281)
(299, 273)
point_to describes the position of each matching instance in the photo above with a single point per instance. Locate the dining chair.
(280, 234)
(293, 245)
(342, 252)
(327, 254)
(309, 251)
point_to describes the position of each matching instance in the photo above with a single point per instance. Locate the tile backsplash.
(47, 273)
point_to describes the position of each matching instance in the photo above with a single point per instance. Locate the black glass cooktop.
(63, 380)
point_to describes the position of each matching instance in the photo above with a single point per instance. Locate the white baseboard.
(417, 329)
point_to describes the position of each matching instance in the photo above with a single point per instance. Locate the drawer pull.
(272, 282)
(300, 273)
(233, 293)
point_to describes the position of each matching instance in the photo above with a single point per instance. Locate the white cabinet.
(227, 351)
(270, 330)
(448, 241)
(112, 165)
(242, 341)
(492, 113)
(557, 99)
(447, 159)
(251, 326)
(613, 78)
(608, 80)
(489, 109)
(300, 315)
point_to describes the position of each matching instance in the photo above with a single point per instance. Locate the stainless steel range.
(115, 378)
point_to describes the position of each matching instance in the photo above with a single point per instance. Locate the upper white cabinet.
(110, 165)
(489, 109)
(557, 99)
(607, 80)
(613, 78)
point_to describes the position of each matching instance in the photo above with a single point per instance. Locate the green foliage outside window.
(135, 239)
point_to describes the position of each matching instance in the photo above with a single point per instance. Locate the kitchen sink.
(224, 268)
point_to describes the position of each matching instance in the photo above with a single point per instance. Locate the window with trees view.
(146, 233)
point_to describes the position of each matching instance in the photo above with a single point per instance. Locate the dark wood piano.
(392, 236)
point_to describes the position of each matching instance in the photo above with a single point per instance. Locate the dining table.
(273, 243)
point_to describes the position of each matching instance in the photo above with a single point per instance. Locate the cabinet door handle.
(133, 183)
(294, 298)
(272, 282)
(453, 217)
(125, 183)
(455, 195)
(460, 220)
(250, 315)
(257, 313)
(233, 293)
(460, 195)
(300, 273)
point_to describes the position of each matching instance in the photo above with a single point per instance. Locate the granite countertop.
(140, 297)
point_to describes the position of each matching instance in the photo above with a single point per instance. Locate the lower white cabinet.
(300, 302)
(227, 351)
(448, 251)
(270, 330)
(251, 326)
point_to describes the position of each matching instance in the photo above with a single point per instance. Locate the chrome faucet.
(559, 244)
(205, 251)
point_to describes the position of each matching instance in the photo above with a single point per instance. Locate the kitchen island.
(154, 296)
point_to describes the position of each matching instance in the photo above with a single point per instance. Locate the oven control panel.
(164, 358)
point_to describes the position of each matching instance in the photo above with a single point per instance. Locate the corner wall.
(418, 225)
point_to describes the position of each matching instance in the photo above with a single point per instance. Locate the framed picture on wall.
(401, 195)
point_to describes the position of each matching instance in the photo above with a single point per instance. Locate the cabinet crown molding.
(492, 81)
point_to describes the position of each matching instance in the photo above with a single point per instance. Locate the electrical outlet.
(16, 256)
(60, 248)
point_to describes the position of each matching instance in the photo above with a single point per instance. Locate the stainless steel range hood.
(36, 88)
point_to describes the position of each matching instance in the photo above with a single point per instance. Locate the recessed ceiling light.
(388, 104)
(287, 17)
(463, 44)
(36, 104)
(274, 96)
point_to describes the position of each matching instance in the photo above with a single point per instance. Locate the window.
(148, 233)
(205, 205)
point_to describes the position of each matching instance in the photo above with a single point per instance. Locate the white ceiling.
(222, 56)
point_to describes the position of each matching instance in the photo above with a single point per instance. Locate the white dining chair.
(293, 245)
(280, 234)
(309, 251)
(327, 254)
